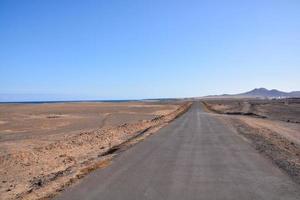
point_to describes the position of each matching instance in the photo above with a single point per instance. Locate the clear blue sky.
(148, 48)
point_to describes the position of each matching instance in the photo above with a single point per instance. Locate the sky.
(132, 49)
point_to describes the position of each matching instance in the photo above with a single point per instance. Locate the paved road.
(195, 157)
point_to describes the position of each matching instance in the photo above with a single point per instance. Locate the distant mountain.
(295, 94)
(260, 93)
(263, 92)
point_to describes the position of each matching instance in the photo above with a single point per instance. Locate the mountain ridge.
(262, 93)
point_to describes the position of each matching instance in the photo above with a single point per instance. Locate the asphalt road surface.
(195, 157)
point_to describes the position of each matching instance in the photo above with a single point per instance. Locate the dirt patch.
(287, 110)
(276, 139)
(31, 121)
(34, 171)
(283, 152)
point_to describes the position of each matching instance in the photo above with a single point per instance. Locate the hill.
(260, 93)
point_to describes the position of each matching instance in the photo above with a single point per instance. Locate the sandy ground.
(283, 110)
(25, 121)
(46, 147)
(276, 135)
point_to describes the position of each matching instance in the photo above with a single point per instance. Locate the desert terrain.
(200, 155)
(271, 126)
(46, 147)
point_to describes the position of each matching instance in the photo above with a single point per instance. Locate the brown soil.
(283, 151)
(49, 121)
(287, 110)
(276, 139)
(43, 163)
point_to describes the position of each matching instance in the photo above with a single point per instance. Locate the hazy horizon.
(141, 49)
(63, 97)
